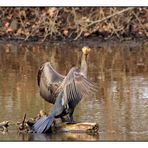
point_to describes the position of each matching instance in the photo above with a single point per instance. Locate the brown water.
(120, 106)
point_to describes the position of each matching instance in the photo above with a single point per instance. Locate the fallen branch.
(140, 23)
(4, 125)
(25, 126)
(22, 125)
(110, 16)
(84, 127)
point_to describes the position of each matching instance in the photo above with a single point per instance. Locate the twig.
(4, 125)
(78, 35)
(110, 16)
(24, 118)
(22, 125)
(105, 18)
(140, 23)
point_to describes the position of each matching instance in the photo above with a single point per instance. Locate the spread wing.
(48, 75)
(75, 86)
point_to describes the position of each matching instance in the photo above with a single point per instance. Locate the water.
(120, 106)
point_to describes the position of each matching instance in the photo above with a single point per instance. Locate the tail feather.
(43, 124)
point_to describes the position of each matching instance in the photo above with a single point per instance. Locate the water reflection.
(63, 137)
(121, 104)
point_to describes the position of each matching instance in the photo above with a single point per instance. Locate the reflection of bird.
(64, 92)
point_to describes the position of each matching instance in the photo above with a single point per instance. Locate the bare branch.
(110, 16)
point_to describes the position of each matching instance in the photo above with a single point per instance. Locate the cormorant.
(64, 92)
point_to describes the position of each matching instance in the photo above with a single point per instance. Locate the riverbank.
(73, 23)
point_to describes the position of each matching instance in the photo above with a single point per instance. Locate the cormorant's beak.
(86, 51)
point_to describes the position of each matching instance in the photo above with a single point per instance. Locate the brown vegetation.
(72, 22)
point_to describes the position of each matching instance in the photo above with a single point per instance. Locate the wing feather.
(48, 75)
(76, 85)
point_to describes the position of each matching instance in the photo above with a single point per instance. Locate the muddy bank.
(92, 42)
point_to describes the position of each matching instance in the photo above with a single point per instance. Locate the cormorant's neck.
(84, 65)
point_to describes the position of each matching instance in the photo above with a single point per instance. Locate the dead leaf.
(9, 30)
(14, 25)
(86, 34)
(51, 11)
(19, 31)
(6, 24)
(65, 32)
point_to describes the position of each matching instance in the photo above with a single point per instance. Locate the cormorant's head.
(86, 50)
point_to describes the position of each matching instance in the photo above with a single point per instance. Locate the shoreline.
(91, 38)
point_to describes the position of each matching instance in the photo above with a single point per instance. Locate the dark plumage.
(48, 81)
(65, 92)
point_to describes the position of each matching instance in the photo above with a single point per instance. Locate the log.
(4, 125)
(26, 126)
(84, 127)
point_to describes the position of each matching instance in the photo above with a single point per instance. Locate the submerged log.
(84, 127)
(26, 126)
(4, 125)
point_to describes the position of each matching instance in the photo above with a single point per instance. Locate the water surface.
(120, 106)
